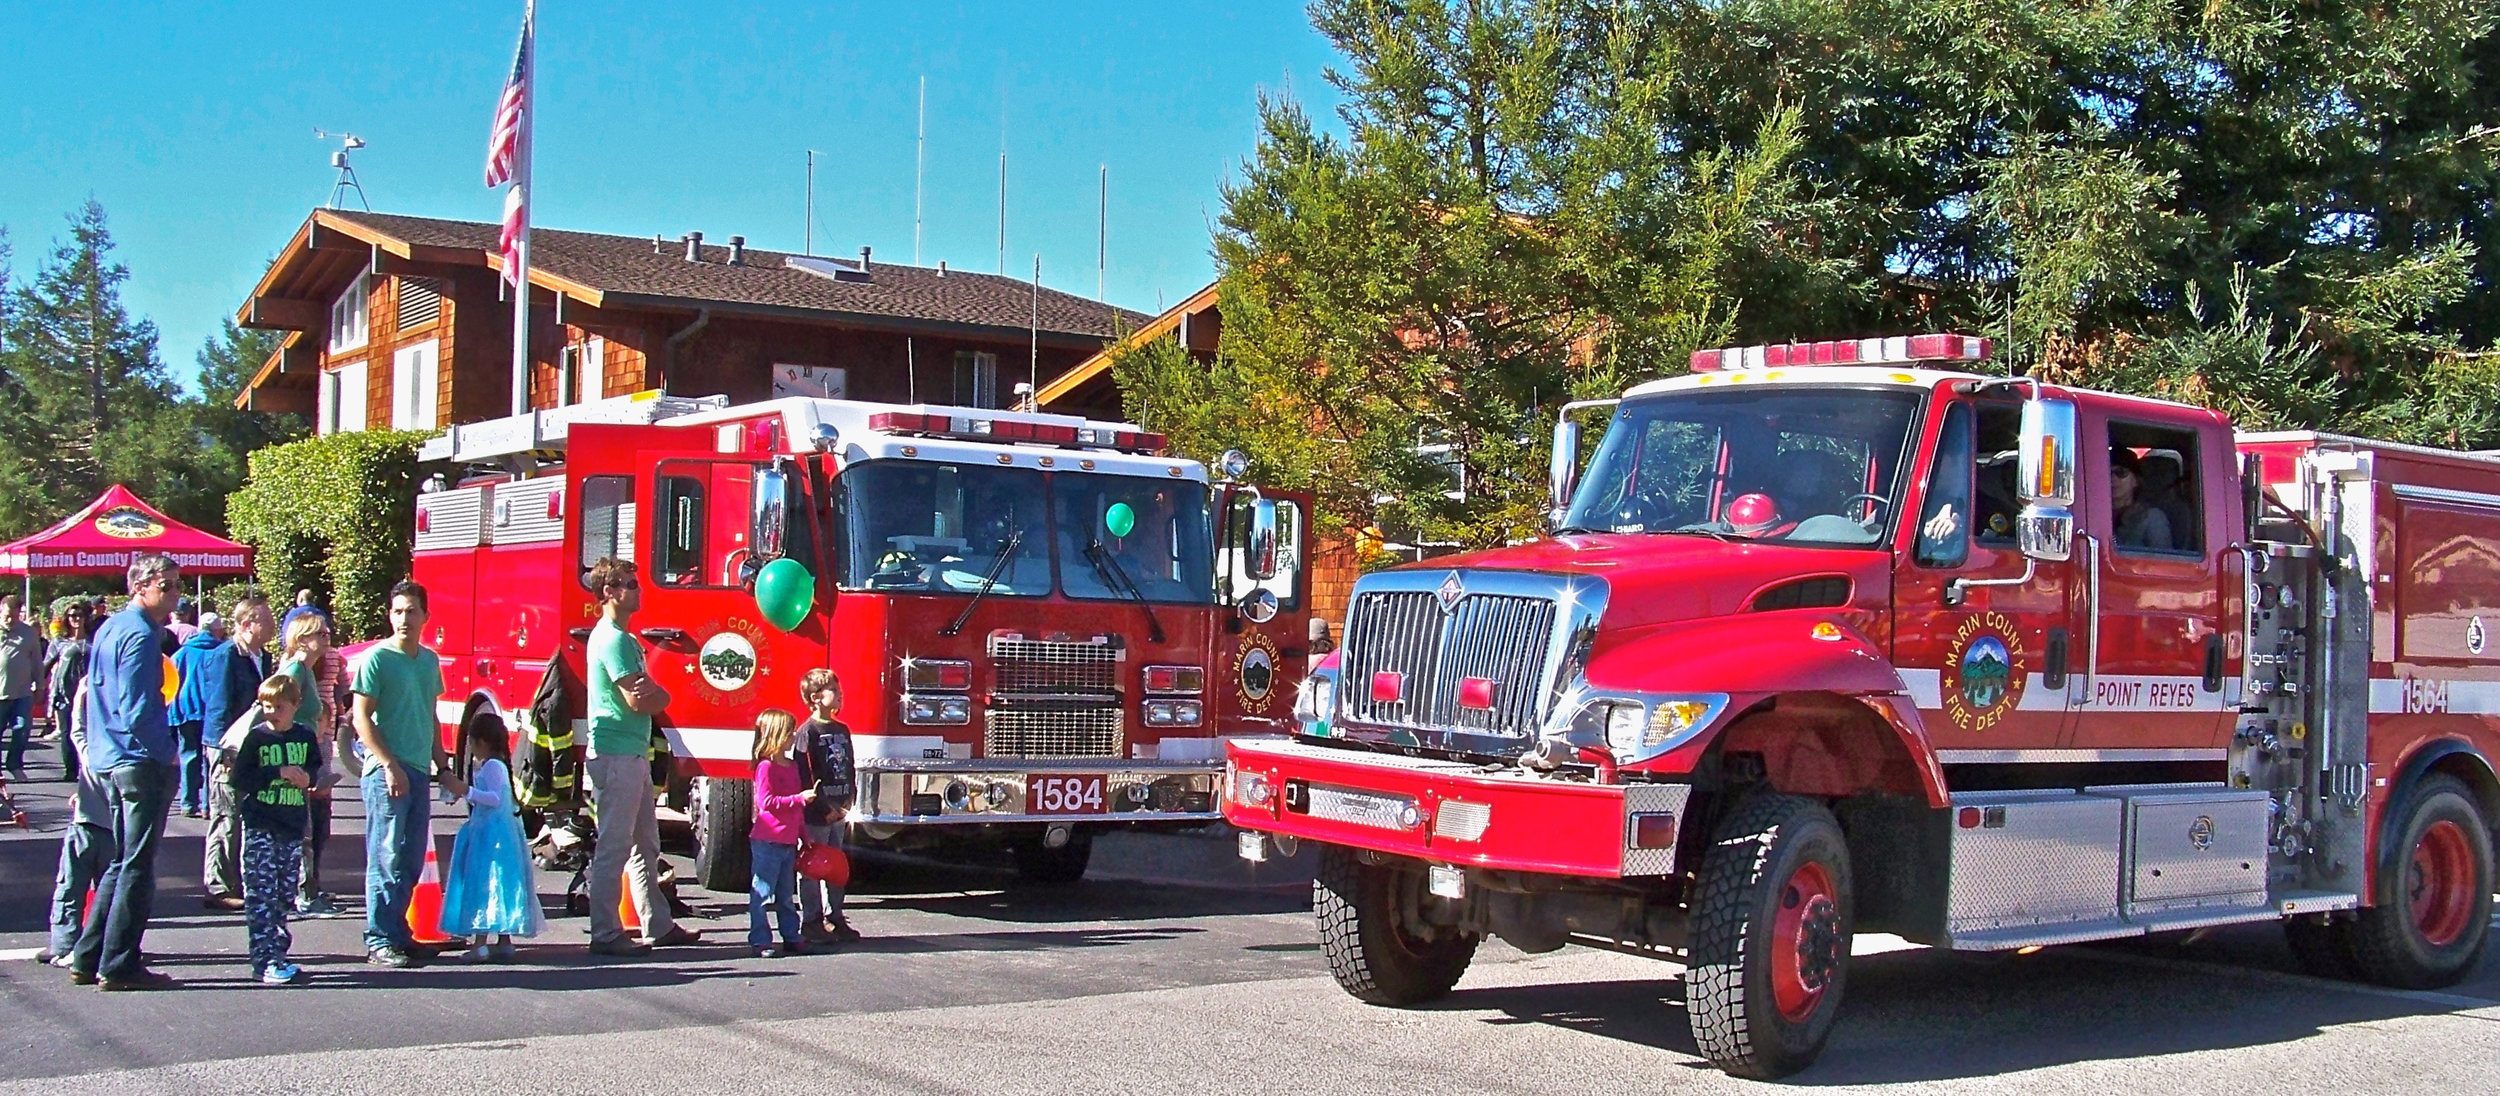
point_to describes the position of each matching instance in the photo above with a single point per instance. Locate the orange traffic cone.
(626, 914)
(425, 904)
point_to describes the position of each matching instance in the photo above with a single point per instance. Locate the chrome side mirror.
(771, 515)
(1562, 470)
(2048, 454)
(1258, 606)
(2045, 533)
(1262, 562)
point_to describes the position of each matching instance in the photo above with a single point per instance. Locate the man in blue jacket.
(192, 679)
(132, 750)
(230, 676)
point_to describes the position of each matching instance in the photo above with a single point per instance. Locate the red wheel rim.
(1805, 941)
(2439, 883)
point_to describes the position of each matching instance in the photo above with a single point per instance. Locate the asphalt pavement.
(1172, 967)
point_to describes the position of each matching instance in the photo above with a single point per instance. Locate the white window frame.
(348, 399)
(416, 379)
(351, 314)
(591, 372)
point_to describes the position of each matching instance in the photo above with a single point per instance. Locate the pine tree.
(227, 362)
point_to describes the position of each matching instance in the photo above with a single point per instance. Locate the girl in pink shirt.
(773, 842)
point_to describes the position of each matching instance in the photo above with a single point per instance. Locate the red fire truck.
(1844, 637)
(1042, 624)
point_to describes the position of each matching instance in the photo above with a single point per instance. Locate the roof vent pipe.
(737, 251)
(694, 247)
(657, 247)
(941, 268)
(863, 258)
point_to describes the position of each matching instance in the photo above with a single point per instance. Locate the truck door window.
(2153, 500)
(1997, 449)
(607, 508)
(1944, 523)
(678, 525)
(1286, 585)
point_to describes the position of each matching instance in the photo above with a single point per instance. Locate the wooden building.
(395, 321)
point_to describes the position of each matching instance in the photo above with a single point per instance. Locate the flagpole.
(521, 194)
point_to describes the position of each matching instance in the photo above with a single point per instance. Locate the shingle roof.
(627, 267)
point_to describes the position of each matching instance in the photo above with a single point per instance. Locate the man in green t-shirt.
(397, 682)
(622, 700)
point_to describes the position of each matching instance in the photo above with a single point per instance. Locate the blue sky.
(193, 124)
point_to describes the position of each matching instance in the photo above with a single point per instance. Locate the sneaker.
(280, 973)
(221, 902)
(144, 980)
(63, 961)
(390, 957)
(843, 933)
(79, 977)
(816, 932)
(768, 953)
(623, 946)
(677, 936)
(319, 905)
(502, 952)
(795, 947)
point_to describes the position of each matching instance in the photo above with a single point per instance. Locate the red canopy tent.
(103, 538)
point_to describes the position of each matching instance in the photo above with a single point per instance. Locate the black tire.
(2432, 917)
(1755, 1012)
(1369, 952)
(723, 812)
(2323, 947)
(1041, 866)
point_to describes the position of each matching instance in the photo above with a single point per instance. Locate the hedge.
(332, 514)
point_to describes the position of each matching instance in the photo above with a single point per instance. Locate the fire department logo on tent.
(1984, 673)
(128, 523)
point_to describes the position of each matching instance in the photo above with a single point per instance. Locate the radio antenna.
(348, 142)
(919, 170)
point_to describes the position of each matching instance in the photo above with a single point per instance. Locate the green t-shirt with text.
(404, 688)
(615, 730)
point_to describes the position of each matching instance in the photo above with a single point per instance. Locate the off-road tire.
(724, 810)
(2388, 940)
(1047, 867)
(1763, 847)
(2323, 947)
(1356, 905)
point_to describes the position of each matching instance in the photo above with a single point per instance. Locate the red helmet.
(825, 864)
(1753, 513)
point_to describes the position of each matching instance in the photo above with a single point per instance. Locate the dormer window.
(349, 315)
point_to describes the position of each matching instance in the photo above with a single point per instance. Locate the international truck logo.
(1451, 590)
(727, 661)
(1984, 673)
(128, 523)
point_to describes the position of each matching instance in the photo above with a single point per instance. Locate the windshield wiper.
(1117, 577)
(1006, 551)
(1570, 530)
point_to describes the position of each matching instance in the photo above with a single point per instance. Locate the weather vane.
(348, 142)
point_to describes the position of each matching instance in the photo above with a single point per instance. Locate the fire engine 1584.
(1839, 637)
(1039, 629)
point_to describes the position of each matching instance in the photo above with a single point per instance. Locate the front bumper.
(1000, 791)
(1452, 812)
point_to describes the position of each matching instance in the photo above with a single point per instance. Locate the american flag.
(507, 149)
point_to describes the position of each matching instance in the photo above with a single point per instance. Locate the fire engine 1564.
(1039, 629)
(1840, 637)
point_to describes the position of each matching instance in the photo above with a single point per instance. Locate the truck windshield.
(1787, 465)
(915, 525)
(923, 525)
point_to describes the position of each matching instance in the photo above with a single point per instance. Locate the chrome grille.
(1054, 730)
(1046, 666)
(1501, 637)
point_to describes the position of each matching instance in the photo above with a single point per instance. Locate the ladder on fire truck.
(539, 436)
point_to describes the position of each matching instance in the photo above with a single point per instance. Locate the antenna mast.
(807, 236)
(348, 142)
(1102, 230)
(919, 170)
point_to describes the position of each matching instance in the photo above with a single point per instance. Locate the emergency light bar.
(1897, 350)
(972, 428)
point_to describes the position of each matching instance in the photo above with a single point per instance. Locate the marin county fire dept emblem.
(1984, 672)
(727, 661)
(128, 523)
(1254, 672)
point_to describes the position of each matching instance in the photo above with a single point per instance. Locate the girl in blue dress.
(491, 890)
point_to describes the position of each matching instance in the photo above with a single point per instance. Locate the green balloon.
(784, 592)
(1119, 519)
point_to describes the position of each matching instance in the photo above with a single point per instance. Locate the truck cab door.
(1256, 665)
(2158, 677)
(1986, 655)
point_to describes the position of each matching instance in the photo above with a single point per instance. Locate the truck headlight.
(1624, 719)
(1174, 713)
(937, 710)
(1315, 702)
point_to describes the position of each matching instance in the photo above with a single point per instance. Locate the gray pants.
(628, 846)
(221, 863)
(817, 900)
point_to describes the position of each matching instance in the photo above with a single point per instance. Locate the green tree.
(1500, 229)
(227, 362)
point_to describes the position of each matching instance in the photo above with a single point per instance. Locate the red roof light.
(1896, 350)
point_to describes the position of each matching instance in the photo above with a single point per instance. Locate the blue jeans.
(108, 945)
(397, 832)
(67, 742)
(16, 719)
(85, 851)
(776, 868)
(194, 795)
